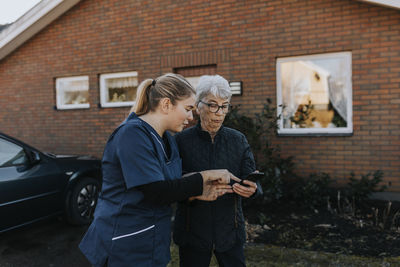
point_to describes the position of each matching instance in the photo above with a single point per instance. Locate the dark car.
(35, 185)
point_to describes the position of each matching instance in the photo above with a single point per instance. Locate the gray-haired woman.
(205, 227)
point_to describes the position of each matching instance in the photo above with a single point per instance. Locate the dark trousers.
(189, 257)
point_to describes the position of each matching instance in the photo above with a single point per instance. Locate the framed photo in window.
(314, 94)
(72, 92)
(118, 89)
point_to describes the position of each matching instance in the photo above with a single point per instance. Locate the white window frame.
(348, 130)
(104, 89)
(60, 92)
(194, 80)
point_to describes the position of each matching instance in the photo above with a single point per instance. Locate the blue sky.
(11, 10)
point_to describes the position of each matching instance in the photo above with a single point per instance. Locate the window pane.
(11, 154)
(315, 93)
(73, 92)
(118, 89)
(193, 80)
(193, 73)
(121, 89)
(76, 97)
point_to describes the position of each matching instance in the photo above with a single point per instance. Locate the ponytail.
(150, 92)
(142, 98)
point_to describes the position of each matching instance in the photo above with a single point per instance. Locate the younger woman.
(141, 167)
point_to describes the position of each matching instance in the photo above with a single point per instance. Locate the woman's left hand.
(245, 191)
(211, 191)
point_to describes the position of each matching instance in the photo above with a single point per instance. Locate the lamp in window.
(236, 87)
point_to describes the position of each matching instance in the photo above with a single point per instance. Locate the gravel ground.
(50, 243)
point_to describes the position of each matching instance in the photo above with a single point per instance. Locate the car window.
(11, 154)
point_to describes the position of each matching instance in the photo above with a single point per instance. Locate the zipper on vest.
(236, 223)
(187, 217)
(213, 211)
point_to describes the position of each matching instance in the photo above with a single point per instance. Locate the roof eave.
(386, 3)
(47, 11)
(31, 23)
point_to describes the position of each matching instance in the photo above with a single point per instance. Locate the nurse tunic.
(127, 231)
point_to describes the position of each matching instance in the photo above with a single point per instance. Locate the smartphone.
(254, 176)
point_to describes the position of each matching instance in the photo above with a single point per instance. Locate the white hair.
(215, 85)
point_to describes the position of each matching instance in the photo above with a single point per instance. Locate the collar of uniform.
(132, 116)
(161, 139)
(206, 135)
(150, 128)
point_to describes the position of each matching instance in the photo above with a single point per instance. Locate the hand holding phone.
(250, 183)
(254, 176)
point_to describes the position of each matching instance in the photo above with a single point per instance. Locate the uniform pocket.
(135, 245)
(134, 233)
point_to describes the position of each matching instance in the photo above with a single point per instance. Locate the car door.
(28, 189)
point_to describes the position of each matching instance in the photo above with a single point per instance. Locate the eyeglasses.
(214, 108)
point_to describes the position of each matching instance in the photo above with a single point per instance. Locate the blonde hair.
(150, 92)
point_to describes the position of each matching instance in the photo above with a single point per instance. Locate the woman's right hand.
(213, 190)
(215, 184)
(221, 176)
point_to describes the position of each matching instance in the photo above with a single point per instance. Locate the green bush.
(280, 182)
(269, 160)
(361, 189)
(314, 190)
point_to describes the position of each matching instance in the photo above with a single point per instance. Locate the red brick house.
(69, 70)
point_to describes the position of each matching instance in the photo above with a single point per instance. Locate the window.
(193, 80)
(11, 154)
(118, 89)
(315, 94)
(72, 92)
(193, 73)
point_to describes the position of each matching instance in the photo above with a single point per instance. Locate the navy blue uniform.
(126, 230)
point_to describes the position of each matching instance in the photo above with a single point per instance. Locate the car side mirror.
(37, 156)
(33, 157)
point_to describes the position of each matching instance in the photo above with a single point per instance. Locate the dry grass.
(265, 255)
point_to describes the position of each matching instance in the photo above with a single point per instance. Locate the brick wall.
(242, 38)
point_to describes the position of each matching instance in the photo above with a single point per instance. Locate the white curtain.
(337, 95)
(296, 86)
(122, 82)
(77, 85)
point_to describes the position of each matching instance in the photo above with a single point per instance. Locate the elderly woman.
(205, 227)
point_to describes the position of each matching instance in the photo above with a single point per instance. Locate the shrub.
(279, 180)
(267, 156)
(361, 189)
(314, 191)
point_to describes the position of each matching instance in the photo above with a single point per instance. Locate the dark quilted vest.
(218, 224)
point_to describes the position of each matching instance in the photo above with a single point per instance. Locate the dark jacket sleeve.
(169, 191)
(248, 165)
